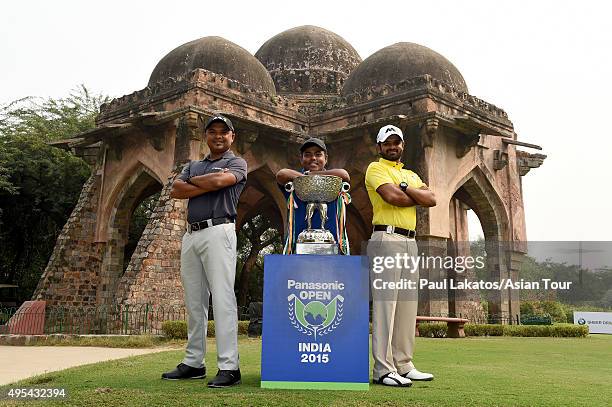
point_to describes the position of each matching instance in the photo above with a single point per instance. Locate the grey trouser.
(394, 311)
(208, 266)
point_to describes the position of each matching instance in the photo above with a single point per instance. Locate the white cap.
(387, 131)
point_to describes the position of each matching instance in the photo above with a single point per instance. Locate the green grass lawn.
(471, 371)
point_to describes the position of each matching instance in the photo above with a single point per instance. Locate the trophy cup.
(316, 191)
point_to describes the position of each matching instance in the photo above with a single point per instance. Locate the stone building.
(306, 81)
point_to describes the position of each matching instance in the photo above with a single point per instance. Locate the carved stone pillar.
(189, 139)
(497, 266)
(433, 301)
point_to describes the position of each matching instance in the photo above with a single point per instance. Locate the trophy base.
(316, 241)
(316, 248)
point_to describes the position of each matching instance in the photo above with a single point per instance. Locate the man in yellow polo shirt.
(394, 192)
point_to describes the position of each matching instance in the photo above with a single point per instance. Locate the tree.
(138, 221)
(51, 119)
(256, 238)
(39, 184)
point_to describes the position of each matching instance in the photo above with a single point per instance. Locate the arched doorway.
(260, 227)
(137, 194)
(476, 193)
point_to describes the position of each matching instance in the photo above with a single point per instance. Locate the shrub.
(529, 307)
(433, 330)
(555, 310)
(175, 329)
(243, 327)
(527, 330)
(569, 314)
(543, 328)
(557, 330)
(485, 306)
(570, 330)
(483, 330)
(178, 329)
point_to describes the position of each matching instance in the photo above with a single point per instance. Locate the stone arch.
(476, 191)
(141, 184)
(245, 273)
(262, 191)
(108, 199)
(261, 196)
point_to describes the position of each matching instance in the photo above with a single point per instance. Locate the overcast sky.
(546, 63)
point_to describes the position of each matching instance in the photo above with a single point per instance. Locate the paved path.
(20, 362)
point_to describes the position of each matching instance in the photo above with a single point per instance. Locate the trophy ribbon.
(291, 206)
(344, 198)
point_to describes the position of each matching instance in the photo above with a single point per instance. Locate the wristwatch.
(403, 186)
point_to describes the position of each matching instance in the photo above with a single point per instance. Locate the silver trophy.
(316, 191)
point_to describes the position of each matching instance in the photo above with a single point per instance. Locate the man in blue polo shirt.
(313, 157)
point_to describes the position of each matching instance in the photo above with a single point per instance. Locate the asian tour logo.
(313, 317)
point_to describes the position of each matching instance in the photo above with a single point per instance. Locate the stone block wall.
(72, 273)
(153, 274)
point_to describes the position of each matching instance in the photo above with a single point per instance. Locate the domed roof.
(308, 60)
(401, 61)
(217, 55)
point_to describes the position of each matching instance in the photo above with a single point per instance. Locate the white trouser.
(393, 311)
(208, 266)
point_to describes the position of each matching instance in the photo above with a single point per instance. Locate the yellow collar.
(393, 164)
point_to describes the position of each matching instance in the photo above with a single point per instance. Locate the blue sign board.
(315, 323)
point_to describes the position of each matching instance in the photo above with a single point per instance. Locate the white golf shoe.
(415, 375)
(393, 379)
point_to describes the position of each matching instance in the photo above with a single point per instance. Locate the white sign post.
(598, 322)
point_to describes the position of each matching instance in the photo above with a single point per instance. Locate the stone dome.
(308, 60)
(217, 55)
(401, 61)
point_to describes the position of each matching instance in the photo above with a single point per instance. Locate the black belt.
(203, 224)
(394, 229)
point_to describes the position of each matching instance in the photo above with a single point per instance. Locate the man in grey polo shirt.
(208, 256)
